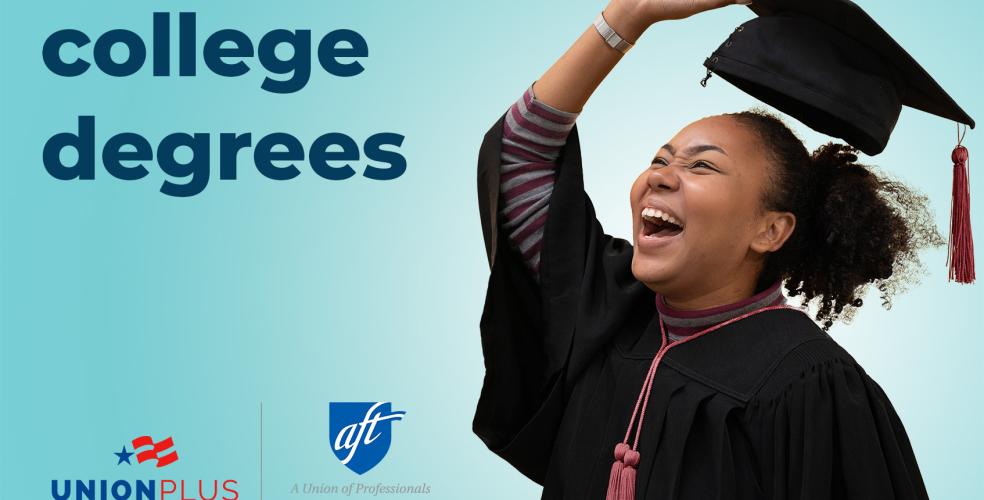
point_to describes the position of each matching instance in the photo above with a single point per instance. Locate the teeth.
(655, 213)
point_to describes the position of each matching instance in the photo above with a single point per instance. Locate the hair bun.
(827, 158)
(828, 162)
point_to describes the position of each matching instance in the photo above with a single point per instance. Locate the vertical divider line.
(261, 450)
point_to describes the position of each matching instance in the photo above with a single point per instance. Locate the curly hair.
(854, 225)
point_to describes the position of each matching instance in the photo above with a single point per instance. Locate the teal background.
(126, 312)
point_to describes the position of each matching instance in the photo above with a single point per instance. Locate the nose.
(664, 177)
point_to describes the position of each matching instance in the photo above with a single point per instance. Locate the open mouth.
(659, 224)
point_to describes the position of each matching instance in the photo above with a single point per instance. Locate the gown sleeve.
(835, 435)
(533, 134)
(537, 337)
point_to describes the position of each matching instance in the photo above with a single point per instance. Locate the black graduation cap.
(828, 64)
(831, 66)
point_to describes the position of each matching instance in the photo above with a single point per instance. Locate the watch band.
(611, 37)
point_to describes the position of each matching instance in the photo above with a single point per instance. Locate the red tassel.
(621, 481)
(616, 473)
(960, 259)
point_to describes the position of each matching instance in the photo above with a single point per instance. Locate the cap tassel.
(960, 258)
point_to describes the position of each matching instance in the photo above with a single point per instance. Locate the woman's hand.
(571, 80)
(653, 11)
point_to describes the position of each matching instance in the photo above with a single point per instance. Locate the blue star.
(124, 456)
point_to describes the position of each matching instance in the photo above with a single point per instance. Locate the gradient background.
(126, 312)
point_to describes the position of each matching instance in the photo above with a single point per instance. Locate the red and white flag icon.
(154, 453)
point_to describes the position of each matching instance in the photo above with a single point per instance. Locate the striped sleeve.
(532, 138)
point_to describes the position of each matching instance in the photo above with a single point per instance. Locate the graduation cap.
(828, 64)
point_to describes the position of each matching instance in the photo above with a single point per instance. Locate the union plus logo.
(361, 433)
(159, 453)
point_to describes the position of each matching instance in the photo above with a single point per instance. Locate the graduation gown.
(766, 407)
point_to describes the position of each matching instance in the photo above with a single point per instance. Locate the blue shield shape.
(360, 433)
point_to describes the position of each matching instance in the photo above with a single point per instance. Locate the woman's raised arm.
(538, 123)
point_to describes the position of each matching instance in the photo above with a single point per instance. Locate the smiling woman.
(708, 176)
(671, 367)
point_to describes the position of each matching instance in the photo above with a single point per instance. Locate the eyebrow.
(692, 150)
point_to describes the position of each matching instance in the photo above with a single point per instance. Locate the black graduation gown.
(767, 407)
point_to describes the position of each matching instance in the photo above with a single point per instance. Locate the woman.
(671, 368)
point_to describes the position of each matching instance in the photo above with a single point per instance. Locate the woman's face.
(707, 180)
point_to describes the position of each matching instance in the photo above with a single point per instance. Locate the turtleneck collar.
(681, 323)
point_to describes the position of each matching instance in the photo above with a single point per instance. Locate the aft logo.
(159, 453)
(361, 433)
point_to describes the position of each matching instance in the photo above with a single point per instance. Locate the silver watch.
(611, 38)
